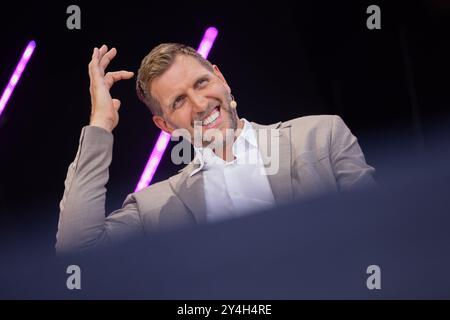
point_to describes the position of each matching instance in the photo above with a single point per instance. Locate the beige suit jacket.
(316, 154)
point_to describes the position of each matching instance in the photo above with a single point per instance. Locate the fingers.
(100, 60)
(107, 57)
(93, 65)
(95, 53)
(102, 51)
(113, 77)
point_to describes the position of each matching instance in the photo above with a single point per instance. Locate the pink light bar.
(207, 42)
(164, 138)
(16, 75)
(153, 162)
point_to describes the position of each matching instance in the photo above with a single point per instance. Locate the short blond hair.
(158, 61)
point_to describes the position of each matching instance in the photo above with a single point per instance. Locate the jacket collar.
(190, 188)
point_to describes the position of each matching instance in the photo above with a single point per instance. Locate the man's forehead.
(183, 68)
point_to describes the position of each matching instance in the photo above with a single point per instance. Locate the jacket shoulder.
(311, 122)
(311, 132)
(157, 193)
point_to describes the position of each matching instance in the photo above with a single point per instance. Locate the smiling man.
(183, 89)
(233, 172)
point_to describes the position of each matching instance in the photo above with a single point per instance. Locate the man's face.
(188, 93)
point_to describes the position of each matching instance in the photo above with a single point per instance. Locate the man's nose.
(199, 104)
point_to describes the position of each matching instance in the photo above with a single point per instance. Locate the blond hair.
(158, 61)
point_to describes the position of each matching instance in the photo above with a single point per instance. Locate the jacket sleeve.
(347, 158)
(82, 223)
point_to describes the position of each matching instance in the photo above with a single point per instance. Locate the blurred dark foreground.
(317, 249)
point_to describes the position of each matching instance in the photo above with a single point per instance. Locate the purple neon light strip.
(16, 75)
(207, 42)
(164, 138)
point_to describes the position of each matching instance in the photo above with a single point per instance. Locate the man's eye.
(177, 102)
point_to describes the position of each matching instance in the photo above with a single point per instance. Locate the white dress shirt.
(236, 187)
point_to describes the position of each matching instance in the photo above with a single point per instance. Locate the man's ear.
(221, 77)
(162, 124)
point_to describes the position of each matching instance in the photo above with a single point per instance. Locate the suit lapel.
(279, 180)
(190, 191)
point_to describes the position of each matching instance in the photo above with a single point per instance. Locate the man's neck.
(227, 150)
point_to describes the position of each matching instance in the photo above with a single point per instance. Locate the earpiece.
(233, 104)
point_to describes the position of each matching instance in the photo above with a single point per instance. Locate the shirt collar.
(205, 155)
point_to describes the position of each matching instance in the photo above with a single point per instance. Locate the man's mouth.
(213, 119)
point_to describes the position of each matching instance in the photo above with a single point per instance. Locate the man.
(187, 94)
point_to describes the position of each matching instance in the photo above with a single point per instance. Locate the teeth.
(211, 118)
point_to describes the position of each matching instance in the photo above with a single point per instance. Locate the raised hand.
(105, 109)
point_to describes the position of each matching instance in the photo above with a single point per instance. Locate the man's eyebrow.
(196, 82)
(202, 77)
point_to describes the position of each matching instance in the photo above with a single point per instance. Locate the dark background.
(282, 60)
